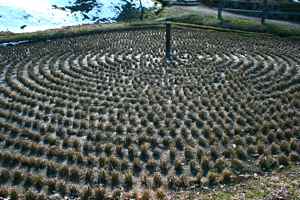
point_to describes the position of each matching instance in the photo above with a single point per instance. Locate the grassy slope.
(250, 25)
(167, 13)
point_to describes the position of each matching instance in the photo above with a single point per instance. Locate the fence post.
(220, 9)
(264, 11)
(168, 42)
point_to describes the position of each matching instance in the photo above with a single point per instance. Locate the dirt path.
(208, 11)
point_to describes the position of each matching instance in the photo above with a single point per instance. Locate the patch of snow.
(35, 15)
(13, 43)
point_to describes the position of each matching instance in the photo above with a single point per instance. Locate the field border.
(75, 31)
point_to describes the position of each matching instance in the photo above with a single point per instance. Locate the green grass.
(248, 25)
(73, 31)
(224, 196)
(255, 194)
(257, 188)
(166, 14)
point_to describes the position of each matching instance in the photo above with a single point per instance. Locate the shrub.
(146, 195)
(144, 152)
(128, 180)
(199, 154)
(267, 163)
(225, 140)
(75, 174)
(61, 188)
(202, 142)
(171, 182)
(194, 167)
(74, 192)
(241, 154)
(151, 165)
(38, 182)
(102, 161)
(100, 193)
(116, 194)
(271, 137)
(164, 167)
(214, 152)
(13, 195)
(156, 153)
(178, 166)
(29, 195)
(119, 151)
(283, 160)
(124, 165)
(275, 149)
(51, 140)
(137, 166)
(131, 153)
(260, 149)
(237, 165)
(179, 143)
(220, 165)
(205, 165)
(218, 132)
(198, 179)
(226, 176)
(238, 140)
(86, 193)
(251, 151)
(188, 153)
(285, 147)
(250, 140)
(115, 179)
(294, 157)
(145, 181)
(63, 172)
(51, 169)
(157, 181)
(3, 192)
(17, 177)
(166, 141)
(4, 176)
(89, 176)
(108, 149)
(212, 178)
(113, 163)
(183, 182)
(102, 177)
(51, 186)
(294, 145)
(160, 195)
(172, 154)
(195, 132)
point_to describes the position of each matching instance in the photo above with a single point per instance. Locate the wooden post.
(168, 42)
(220, 9)
(142, 11)
(264, 12)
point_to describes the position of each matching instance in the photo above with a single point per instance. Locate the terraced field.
(86, 116)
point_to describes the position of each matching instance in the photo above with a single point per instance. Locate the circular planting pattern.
(92, 115)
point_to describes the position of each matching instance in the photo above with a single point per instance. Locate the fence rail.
(260, 11)
(265, 12)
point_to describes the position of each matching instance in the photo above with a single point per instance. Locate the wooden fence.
(264, 12)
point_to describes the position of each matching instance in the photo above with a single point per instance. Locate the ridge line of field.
(93, 29)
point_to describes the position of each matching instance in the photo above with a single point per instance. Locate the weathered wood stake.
(264, 12)
(142, 11)
(168, 42)
(220, 9)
